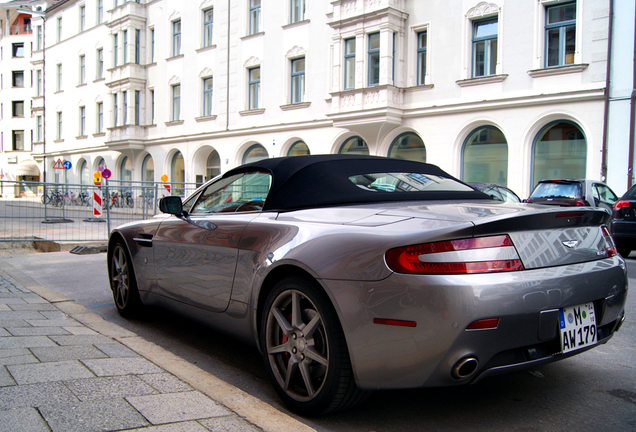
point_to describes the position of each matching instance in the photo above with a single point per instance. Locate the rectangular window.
(59, 125)
(100, 118)
(374, 59)
(207, 97)
(255, 16)
(297, 10)
(115, 48)
(59, 78)
(82, 17)
(38, 42)
(17, 49)
(38, 82)
(38, 128)
(18, 108)
(254, 87)
(152, 45)
(125, 46)
(137, 46)
(59, 29)
(18, 78)
(422, 40)
(176, 38)
(82, 121)
(176, 102)
(115, 110)
(297, 80)
(100, 11)
(100, 63)
(125, 107)
(485, 47)
(82, 69)
(350, 63)
(137, 106)
(152, 107)
(18, 140)
(208, 21)
(560, 34)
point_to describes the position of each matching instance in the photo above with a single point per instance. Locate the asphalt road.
(594, 391)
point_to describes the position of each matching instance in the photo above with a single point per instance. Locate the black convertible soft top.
(323, 180)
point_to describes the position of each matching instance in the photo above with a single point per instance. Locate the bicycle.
(146, 199)
(127, 199)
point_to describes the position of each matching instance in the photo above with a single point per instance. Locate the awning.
(26, 168)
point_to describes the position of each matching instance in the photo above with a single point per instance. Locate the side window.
(238, 193)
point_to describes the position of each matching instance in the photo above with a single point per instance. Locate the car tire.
(123, 282)
(305, 351)
(623, 251)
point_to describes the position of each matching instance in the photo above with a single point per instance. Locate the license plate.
(578, 327)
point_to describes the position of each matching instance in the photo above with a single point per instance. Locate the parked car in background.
(357, 273)
(623, 225)
(568, 193)
(500, 193)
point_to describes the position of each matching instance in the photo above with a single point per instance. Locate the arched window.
(560, 151)
(485, 157)
(354, 145)
(98, 162)
(255, 153)
(299, 148)
(148, 169)
(408, 146)
(177, 174)
(213, 165)
(84, 173)
(125, 170)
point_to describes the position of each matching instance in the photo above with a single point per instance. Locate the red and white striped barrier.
(97, 200)
(167, 187)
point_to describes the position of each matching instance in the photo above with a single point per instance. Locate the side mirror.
(171, 205)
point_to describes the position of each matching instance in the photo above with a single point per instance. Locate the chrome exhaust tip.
(464, 368)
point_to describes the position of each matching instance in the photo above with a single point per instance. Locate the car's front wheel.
(305, 351)
(123, 282)
(624, 251)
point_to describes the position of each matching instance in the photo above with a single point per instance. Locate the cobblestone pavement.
(58, 374)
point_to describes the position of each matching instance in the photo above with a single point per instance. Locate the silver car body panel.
(214, 268)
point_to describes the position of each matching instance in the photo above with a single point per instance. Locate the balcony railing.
(16, 30)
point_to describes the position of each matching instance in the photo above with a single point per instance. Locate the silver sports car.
(360, 273)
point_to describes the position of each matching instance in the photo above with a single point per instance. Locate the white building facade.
(506, 92)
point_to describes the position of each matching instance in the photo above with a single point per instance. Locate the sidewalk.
(63, 368)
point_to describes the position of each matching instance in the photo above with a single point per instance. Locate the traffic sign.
(58, 164)
(67, 165)
(106, 173)
(100, 168)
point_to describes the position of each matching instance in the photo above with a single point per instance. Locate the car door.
(604, 197)
(195, 255)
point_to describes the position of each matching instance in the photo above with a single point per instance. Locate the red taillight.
(579, 203)
(609, 241)
(484, 324)
(467, 256)
(621, 204)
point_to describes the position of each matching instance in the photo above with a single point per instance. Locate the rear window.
(557, 190)
(406, 182)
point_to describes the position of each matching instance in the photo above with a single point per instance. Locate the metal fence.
(32, 211)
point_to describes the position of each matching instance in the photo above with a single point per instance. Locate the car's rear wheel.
(305, 351)
(123, 282)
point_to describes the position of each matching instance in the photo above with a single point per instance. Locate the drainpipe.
(607, 93)
(632, 115)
